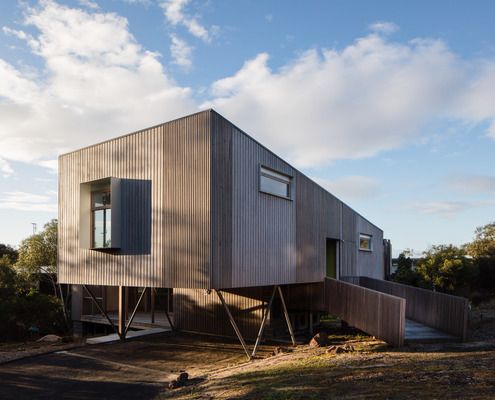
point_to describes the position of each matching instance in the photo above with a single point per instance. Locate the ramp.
(443, 312)
(378, 314)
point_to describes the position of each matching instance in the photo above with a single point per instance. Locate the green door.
(331, 258)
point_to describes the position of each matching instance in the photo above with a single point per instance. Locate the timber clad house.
(199, 226)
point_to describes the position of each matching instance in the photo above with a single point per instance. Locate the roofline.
(211, 110)
(291, 166)
(135, 132)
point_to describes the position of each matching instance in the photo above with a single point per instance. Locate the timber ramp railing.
(442, 311)
(376, 313)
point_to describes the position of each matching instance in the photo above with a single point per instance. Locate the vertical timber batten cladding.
(173, 161)
(193, 215)
(196, 204)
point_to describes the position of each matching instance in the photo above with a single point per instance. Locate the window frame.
(93, 209)
(370, 240)
(278, 176)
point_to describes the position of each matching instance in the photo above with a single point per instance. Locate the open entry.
(332, 258)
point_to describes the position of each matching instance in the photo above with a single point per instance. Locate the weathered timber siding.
(318, 217)
(172, 160)
(198, 312)
(370, 263)
(442, 311)
(221, 201)
(263, 226)
(373, 312)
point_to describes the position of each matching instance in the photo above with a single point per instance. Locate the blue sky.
(390, 105)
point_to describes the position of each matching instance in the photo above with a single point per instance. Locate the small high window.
(365, 242)
(275, 183)
(101, 219)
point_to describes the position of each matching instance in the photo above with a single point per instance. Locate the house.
(196, 213)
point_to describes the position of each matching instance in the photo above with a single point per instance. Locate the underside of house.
(194, 225)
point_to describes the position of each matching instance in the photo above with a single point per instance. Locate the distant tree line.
(25, 309)
(467, 270)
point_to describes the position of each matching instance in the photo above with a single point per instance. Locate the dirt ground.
(137, 369)
(217, 368)
(371, 371)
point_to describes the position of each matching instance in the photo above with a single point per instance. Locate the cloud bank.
(97, 81)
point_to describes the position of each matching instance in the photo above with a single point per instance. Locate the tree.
(405, 273)
(9, 252)
(482, 249)
(38, 258)
(446, 268)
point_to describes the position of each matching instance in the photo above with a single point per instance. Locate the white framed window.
(365, 242)
(275, 183)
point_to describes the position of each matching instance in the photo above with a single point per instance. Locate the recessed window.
(101, 219)
(365, 242)
(275, 183)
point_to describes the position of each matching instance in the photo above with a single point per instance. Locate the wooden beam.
(122, 312)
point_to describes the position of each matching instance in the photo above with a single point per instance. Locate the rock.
(319, 340)
(183, 377)
(181, 380)
(50, 339)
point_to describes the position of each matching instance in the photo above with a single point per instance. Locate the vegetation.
(25, 311)
(468, 270)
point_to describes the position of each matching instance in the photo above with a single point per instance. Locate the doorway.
(331, 258)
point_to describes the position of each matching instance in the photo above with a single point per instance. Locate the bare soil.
(372, 371)
(218, 369)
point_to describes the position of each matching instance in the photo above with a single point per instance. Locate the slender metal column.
(287, 319)
(134, 312)
(102, 312)
(263, 322)
(234, 325)
(122, 312)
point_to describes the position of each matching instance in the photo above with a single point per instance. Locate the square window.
(365, 242)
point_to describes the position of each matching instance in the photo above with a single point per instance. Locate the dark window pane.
(274, 186)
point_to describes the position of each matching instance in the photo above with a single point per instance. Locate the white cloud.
(52, 165)
(174, 12)
(5, 168)
(141, 2)
(268, 17)
(354, 187)
(14, 32)
(181, 52)
(473, 183)
(448, 208)
(97, 82)
(24, 201)
(384, 27)
(371, 96)
(89, 4)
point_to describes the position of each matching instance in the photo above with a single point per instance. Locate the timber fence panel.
(375, 313)
(445, 312)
